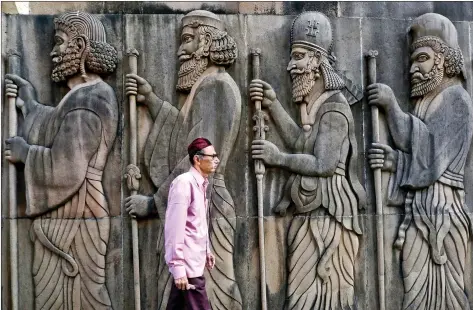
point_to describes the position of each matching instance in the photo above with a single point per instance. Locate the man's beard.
(427, 82)
(302, 83)
(190, 71)
(66, 64)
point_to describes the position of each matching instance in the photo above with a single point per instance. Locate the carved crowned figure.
(212, 109)
(323, 237)
(427, 164)
(65, 149)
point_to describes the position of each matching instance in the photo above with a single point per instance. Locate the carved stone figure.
(212, 109)
(64, 149)
(427, 165)
(323, 238)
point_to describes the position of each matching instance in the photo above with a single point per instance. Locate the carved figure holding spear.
(323, 188)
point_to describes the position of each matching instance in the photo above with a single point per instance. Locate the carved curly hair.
(453, 56)
(223, 49)
(102, 58)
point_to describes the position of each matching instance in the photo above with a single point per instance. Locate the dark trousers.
(189, 299)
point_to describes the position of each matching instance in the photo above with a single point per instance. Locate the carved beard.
(302, 83)
(190, 71)
(67, 63)
(427, 82)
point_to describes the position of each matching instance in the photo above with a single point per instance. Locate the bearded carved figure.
(212, 109)
(65, 150)
(323, 189)
(427, 166)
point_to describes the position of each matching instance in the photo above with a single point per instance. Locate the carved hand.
(262, 91)
(24, 92)
(382, 156)
(381, 95)
(16, 149)
(266, 151)
(210, 261)
(139, 205)
(183, 284)
(138, 86)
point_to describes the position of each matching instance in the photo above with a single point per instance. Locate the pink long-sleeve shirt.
(185, 229)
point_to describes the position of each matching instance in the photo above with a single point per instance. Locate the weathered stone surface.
(154, 29)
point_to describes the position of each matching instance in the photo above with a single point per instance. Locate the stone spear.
(13, 67)
(377, 185)
(133, 175)
(260, 128)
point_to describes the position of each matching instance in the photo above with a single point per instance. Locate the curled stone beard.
(302, 83)
(190, 71)
(428, 82)
(67, 63)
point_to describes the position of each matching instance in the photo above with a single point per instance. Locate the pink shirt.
(185, 229)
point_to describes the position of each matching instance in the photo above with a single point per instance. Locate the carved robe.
(212, 110)
(64, 193)
(323, 235)
(429, 180)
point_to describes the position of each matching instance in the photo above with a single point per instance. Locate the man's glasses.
(210, 155)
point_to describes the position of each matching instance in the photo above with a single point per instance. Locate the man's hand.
(266, 151)
(381, 95)
(16, 149)
(262, 91)
(382, 156)
(210, 261)
(22, 90)
(138, 86)
(138, 205)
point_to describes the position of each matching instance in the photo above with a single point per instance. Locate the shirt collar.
(201, 181)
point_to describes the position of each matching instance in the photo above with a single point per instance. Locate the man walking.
(186, 238)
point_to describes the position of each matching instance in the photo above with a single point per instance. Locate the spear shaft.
(133, 173)
(377, 186)
(13, 67)
(259, 130)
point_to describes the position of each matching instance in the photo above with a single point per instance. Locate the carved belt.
(94, 174)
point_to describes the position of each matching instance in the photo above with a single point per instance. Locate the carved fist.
(137, 86)
(266, 151)
(16, 149)
(262, 91)
(138, 205)
(382, 156)
(381, 95)
(22, 90)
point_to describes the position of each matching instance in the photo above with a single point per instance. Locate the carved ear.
(80, 41)
(207, 41)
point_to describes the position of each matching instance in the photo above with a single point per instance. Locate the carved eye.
(187, 39)
(422, 57)
(297, 56)
(58, 40)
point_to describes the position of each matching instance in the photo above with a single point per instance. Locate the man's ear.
(207, 41)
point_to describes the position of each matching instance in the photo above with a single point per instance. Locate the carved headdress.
(439, 33)
(98, 56)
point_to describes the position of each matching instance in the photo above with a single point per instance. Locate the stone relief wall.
(157, 37)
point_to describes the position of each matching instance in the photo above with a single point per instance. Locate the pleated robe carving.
(429, 181)
(64, 193)
(323, 237)
(212, 110)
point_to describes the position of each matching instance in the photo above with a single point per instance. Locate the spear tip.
(256, 51)
(372, 53)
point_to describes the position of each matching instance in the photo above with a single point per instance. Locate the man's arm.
(175, 225)
(332, 132)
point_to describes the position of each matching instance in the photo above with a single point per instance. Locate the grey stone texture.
(153, 28)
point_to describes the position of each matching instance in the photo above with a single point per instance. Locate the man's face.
(299, 60)
(189, 43)
(426, 70)
(192, 59)
(208, 162)
(65, 56)
(301, 67)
